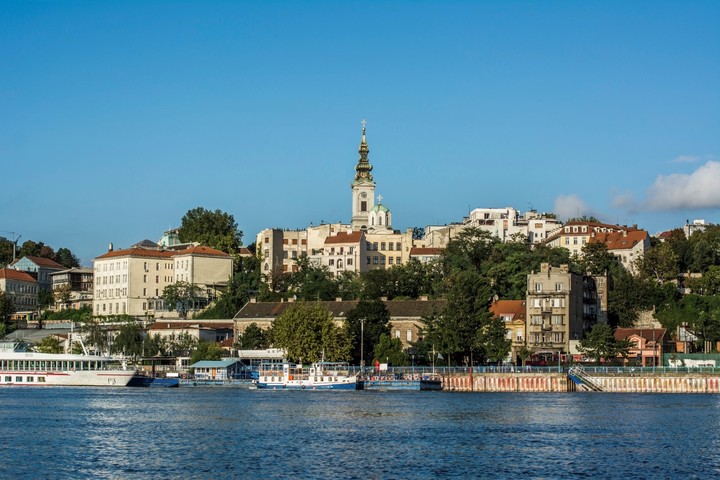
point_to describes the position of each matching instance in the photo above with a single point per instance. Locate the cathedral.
(368, 242)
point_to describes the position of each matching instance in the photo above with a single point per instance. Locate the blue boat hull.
(328, 386)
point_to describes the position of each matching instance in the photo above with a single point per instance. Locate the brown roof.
(425, 251)
(619, 240)
(10, 274)
(175, 325)
(397, 308)
(137, 252)
(244, 252)
(650, 334)
(344, 237)
(201, 250)
(516, 308)
(44, 262)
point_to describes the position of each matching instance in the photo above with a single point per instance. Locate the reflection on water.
(235, 433)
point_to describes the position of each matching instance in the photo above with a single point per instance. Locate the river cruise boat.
(319, 376)
(18, 367)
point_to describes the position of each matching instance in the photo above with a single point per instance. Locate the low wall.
(506, 382)
(560, 383)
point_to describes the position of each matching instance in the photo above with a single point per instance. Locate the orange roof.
(650, 334)
(619, 240)
(514, 308)
(137, 252)
(425, 251)
(44, 262)
(201, 250)
(344, 237)
(188, 324)
(10, 274)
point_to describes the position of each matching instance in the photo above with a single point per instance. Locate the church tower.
(363, 187)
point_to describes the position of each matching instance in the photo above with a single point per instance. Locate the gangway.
(581, 378)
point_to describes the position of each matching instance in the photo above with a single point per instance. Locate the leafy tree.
(49, 344)
(600, 343)
(253, 338)
(708, 284)
(207, 351)
(390, 350)
(66, 258)
(62, 295)
(596, 259)
(311, 282)
(182, 345)
(366, 323)
(215, 229)
(6, 251)
(156, 346)
(96, 335)
(660, 263)
(129, 340)
(376, 284)
(45, 299)
(181, 297)
(349, 285)
(492, 342)
(245, 282)
(7, 308)
(307, 331)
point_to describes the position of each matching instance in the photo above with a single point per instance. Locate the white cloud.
(699, 189)
(570, 206)
(686, 159)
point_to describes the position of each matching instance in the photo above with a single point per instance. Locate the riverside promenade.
(598, 379)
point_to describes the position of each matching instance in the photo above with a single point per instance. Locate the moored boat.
(18, 367)
(319, 376)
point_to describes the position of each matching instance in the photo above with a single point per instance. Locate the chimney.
(253, 299)
(110, 247)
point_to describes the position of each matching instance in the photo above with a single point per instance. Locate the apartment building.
(20, 287)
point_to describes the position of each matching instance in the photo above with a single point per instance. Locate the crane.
(17, 238)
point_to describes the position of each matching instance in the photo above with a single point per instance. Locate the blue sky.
(116, 118)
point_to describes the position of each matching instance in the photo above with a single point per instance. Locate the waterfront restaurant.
(217, 369)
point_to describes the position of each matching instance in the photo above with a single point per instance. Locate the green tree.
(312, 282)
(390, 350)
(366, 323)
(596, 259)
(245, 282)
(96, 335)
(66, 258)
(600, 343)
(49, 344)
(62, 295)
(253, 338)
(207, 351)
(45, 299)
(307, 331)
(660, 263)
(156, 346)
(215, 229)
(492, 343)
(129, 340)
(181, 297)
(7, 308)
(182, 345)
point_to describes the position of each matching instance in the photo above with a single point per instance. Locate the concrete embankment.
(561, 383)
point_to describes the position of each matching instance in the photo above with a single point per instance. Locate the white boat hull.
(84, 378)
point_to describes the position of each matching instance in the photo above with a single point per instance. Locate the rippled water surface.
(216, 433)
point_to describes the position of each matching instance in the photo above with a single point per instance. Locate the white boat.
(319, 376)
(19, 367)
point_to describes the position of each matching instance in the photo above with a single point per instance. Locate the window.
(382, 246)
(397, 260)
(382, 260)
(144, 292)
(538, 287)
(390, 246)
(397, 333)
(567, 240)
(558, 337)
(267, 239)
(557, 319)
(408, 335)
(397, 246)
(145, 278)
(294, 241)
(390, 260)
(558, 287)
(368, 260)
(536, 320)
(285, 254)
(363, 206)
(518, 335)
(575, 242)
(331, 262)
(294, 254)
(375, 246)
(349, 261)
(375, 260)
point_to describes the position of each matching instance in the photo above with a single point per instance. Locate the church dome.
(379, 208)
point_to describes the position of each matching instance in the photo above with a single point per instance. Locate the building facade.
(21, 288)
(40, 268)
(73, 288)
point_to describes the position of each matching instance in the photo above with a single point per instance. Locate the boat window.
(8, 379)
(18, 379)
(41, 379)
(30, 379)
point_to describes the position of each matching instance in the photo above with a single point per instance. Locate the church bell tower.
(363, 187)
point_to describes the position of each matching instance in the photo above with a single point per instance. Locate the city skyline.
(118, 119)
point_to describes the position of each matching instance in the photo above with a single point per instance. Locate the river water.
(218, 433)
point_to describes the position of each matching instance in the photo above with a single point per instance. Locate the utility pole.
(17, 238)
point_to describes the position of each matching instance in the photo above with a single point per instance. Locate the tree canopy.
(307, 332)
(215, 229)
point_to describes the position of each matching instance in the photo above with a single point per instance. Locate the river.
(219, 433)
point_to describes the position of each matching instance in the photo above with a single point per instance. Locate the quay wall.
(560, 383)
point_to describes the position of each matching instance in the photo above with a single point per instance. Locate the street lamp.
(362, 344)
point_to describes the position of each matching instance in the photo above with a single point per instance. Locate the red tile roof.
(137, 252)
(180, 325)
(344, 237)
(201, 250)
(650, 334)
(10, 274)
(515, 308)
(44, 262)
(619, 240)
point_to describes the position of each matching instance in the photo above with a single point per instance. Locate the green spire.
(363, 168)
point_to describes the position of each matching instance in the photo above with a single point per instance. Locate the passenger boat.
(19, 367)
(319, 376)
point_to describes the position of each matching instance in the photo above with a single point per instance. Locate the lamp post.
(362, 344)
